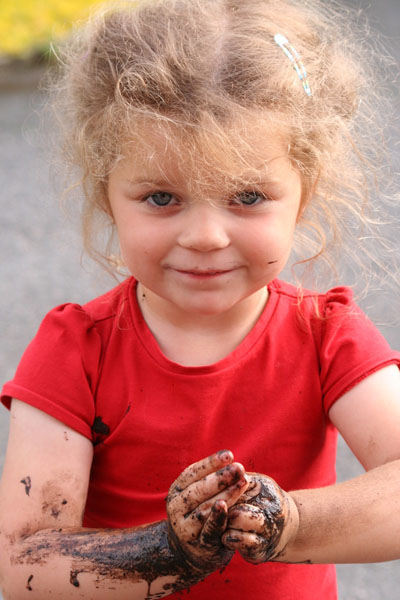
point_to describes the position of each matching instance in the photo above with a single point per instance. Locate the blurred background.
(41, 253)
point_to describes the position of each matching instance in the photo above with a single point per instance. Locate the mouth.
(203, 273)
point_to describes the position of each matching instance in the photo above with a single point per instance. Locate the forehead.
(244, 151)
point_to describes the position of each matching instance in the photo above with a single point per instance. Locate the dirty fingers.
(263, 522)
(197, 508)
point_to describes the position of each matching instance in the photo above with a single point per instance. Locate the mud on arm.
(45, 550)
(150, 561)
(128, 563)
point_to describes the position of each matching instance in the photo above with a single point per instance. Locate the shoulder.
(332, 318)
(337, 297)
(63, 361)
(110, 304)
(73, 336)
(311, 307)
(89, 316)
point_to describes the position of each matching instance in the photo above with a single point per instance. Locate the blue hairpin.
(295, 59)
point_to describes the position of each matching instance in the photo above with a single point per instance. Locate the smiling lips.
(205, 274)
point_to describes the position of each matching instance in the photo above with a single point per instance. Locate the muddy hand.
(197, 509)
(263, 521)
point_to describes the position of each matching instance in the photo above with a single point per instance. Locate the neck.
(199, 339)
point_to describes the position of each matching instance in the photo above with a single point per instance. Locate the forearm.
(357, 521)
(127, 563)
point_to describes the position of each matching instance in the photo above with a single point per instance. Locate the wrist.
(290, 531)
(192, 566)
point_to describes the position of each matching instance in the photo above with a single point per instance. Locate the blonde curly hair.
(195, 68)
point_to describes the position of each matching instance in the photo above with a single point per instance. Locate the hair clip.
(295, 59)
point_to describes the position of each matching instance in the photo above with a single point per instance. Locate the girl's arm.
(355, 521)
(44, 549)
(359, 520)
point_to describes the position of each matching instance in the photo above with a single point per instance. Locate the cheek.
(139, 245)
(130, 245)
(273, 242)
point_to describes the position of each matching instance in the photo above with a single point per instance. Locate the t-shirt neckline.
(151, 346)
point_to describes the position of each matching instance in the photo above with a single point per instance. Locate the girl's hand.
(263, 521)
(197, 509)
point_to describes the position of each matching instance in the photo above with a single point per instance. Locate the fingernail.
(218, 506)
(225, 455)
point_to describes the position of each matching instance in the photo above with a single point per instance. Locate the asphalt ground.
(41, 265)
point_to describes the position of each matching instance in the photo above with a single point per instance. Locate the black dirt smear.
(228, 476)
(100, 430)
(27, 483)
(73, 578)
(212, 537)
(100, 427)
(142, 553)
(54, 502)
(28, 585)
(269, 500)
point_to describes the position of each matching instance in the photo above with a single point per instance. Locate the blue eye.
(159, 198)
(248, 198)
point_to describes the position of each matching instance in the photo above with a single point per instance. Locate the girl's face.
(204, 250)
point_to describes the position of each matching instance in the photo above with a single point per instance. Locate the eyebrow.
(273, 181)
(233, 182)
(149, 182)
(256, 184)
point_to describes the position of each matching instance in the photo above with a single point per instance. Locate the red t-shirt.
(99, 370)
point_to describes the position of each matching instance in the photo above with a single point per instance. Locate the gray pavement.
(40, 268)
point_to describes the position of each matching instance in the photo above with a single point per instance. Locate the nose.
(205, 228)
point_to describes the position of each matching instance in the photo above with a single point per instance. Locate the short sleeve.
(351, 347)
(59, 369)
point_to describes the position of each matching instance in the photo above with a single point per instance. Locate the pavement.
(41, 264)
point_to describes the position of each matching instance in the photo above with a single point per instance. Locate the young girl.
(210, 134)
